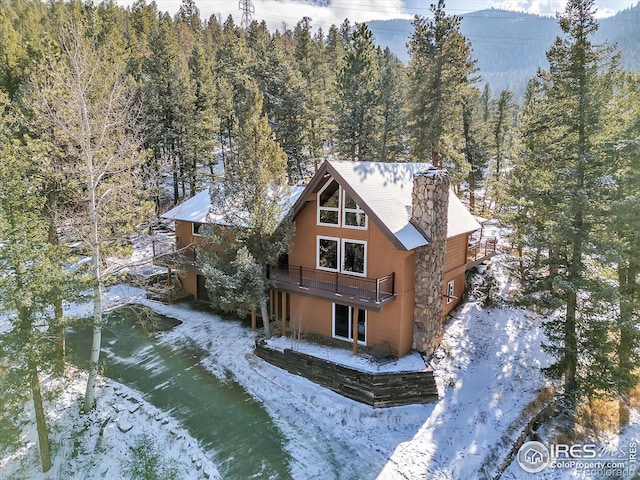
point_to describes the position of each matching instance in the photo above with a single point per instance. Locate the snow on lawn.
(413, 362)
(98, 445)
(488, 369)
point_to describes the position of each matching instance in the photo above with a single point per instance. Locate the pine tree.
(274, 67)
(392, 145)
(440, 68)
(619, 237)
(316, 72)
(31, 279)
(501, 126)
(168, 95)
(203, 121)
(357, 108)
(252, 197)
(475, 140)
(558, 191)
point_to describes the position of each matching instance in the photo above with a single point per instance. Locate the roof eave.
(325, 168)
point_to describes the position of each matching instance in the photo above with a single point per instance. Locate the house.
(379, 254)
(180, 255)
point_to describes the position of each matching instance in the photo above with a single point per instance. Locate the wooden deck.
(165, 254)
(480, 251)
(361, 292)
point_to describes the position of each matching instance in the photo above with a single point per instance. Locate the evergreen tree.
(274, 67)
(252, 196)
(31, 279)
(203, 121)
(23, 37)
(501, 126)
(560, 199)
(168, 95)
(358, 102)
(316, 72)
(392, 147)
(618, 237)
(440, 68)
(475, 144)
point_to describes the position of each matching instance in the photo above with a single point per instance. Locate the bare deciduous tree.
(85, 98)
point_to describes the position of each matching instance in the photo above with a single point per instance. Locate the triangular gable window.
(329, 204)
(336, 208)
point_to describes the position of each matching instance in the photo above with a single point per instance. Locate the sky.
(287, 12)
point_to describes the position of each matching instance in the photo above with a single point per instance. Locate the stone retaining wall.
(380, 389)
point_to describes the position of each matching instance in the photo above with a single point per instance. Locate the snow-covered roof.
(384, 192)
(198, 208)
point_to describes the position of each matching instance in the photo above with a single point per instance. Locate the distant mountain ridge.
(510, 46)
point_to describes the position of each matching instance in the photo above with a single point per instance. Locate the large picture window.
(354, 254)
(343, 323)
(329, 204)
(352, 215)
(327, 252)
(348, 256)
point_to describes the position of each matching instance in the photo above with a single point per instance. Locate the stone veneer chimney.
(430, 203)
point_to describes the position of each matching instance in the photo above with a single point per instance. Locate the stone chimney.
(429, 215)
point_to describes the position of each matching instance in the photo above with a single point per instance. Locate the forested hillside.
(510, 46)
(108, 116)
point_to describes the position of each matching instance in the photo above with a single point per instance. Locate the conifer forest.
(111, 115)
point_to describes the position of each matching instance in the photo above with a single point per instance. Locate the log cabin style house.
(379, 254)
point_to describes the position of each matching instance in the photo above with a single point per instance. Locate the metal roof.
(384, 192)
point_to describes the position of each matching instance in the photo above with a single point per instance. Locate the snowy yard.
(487, 369)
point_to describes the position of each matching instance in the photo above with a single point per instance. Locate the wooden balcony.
(478, 252)
(165, 254)
(361, 292)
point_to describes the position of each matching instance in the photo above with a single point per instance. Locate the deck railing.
(369, 289)
(165, 253)
(481, 250)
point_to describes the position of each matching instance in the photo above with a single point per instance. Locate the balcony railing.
(166, 254)
(482, 250)
(375, 290)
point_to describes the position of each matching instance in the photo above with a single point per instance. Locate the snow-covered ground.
(487, 369)
(98, 445)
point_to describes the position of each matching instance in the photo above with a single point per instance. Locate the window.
(352, 215)
(348, 256)
(354, 254)
(329, 204)
(327, 254)
(196, 228)
(450, 291)
(343, 323)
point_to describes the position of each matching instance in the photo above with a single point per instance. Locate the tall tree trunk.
(52, 203)
(90, 392)
(41, 421)
(627, 275)
(96, 340)
(176, 192)
(265, 317)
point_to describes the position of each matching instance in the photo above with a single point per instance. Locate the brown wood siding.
(395, 323)
(382, 256)
(456, 255)
(185, 237)
(184, 234)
